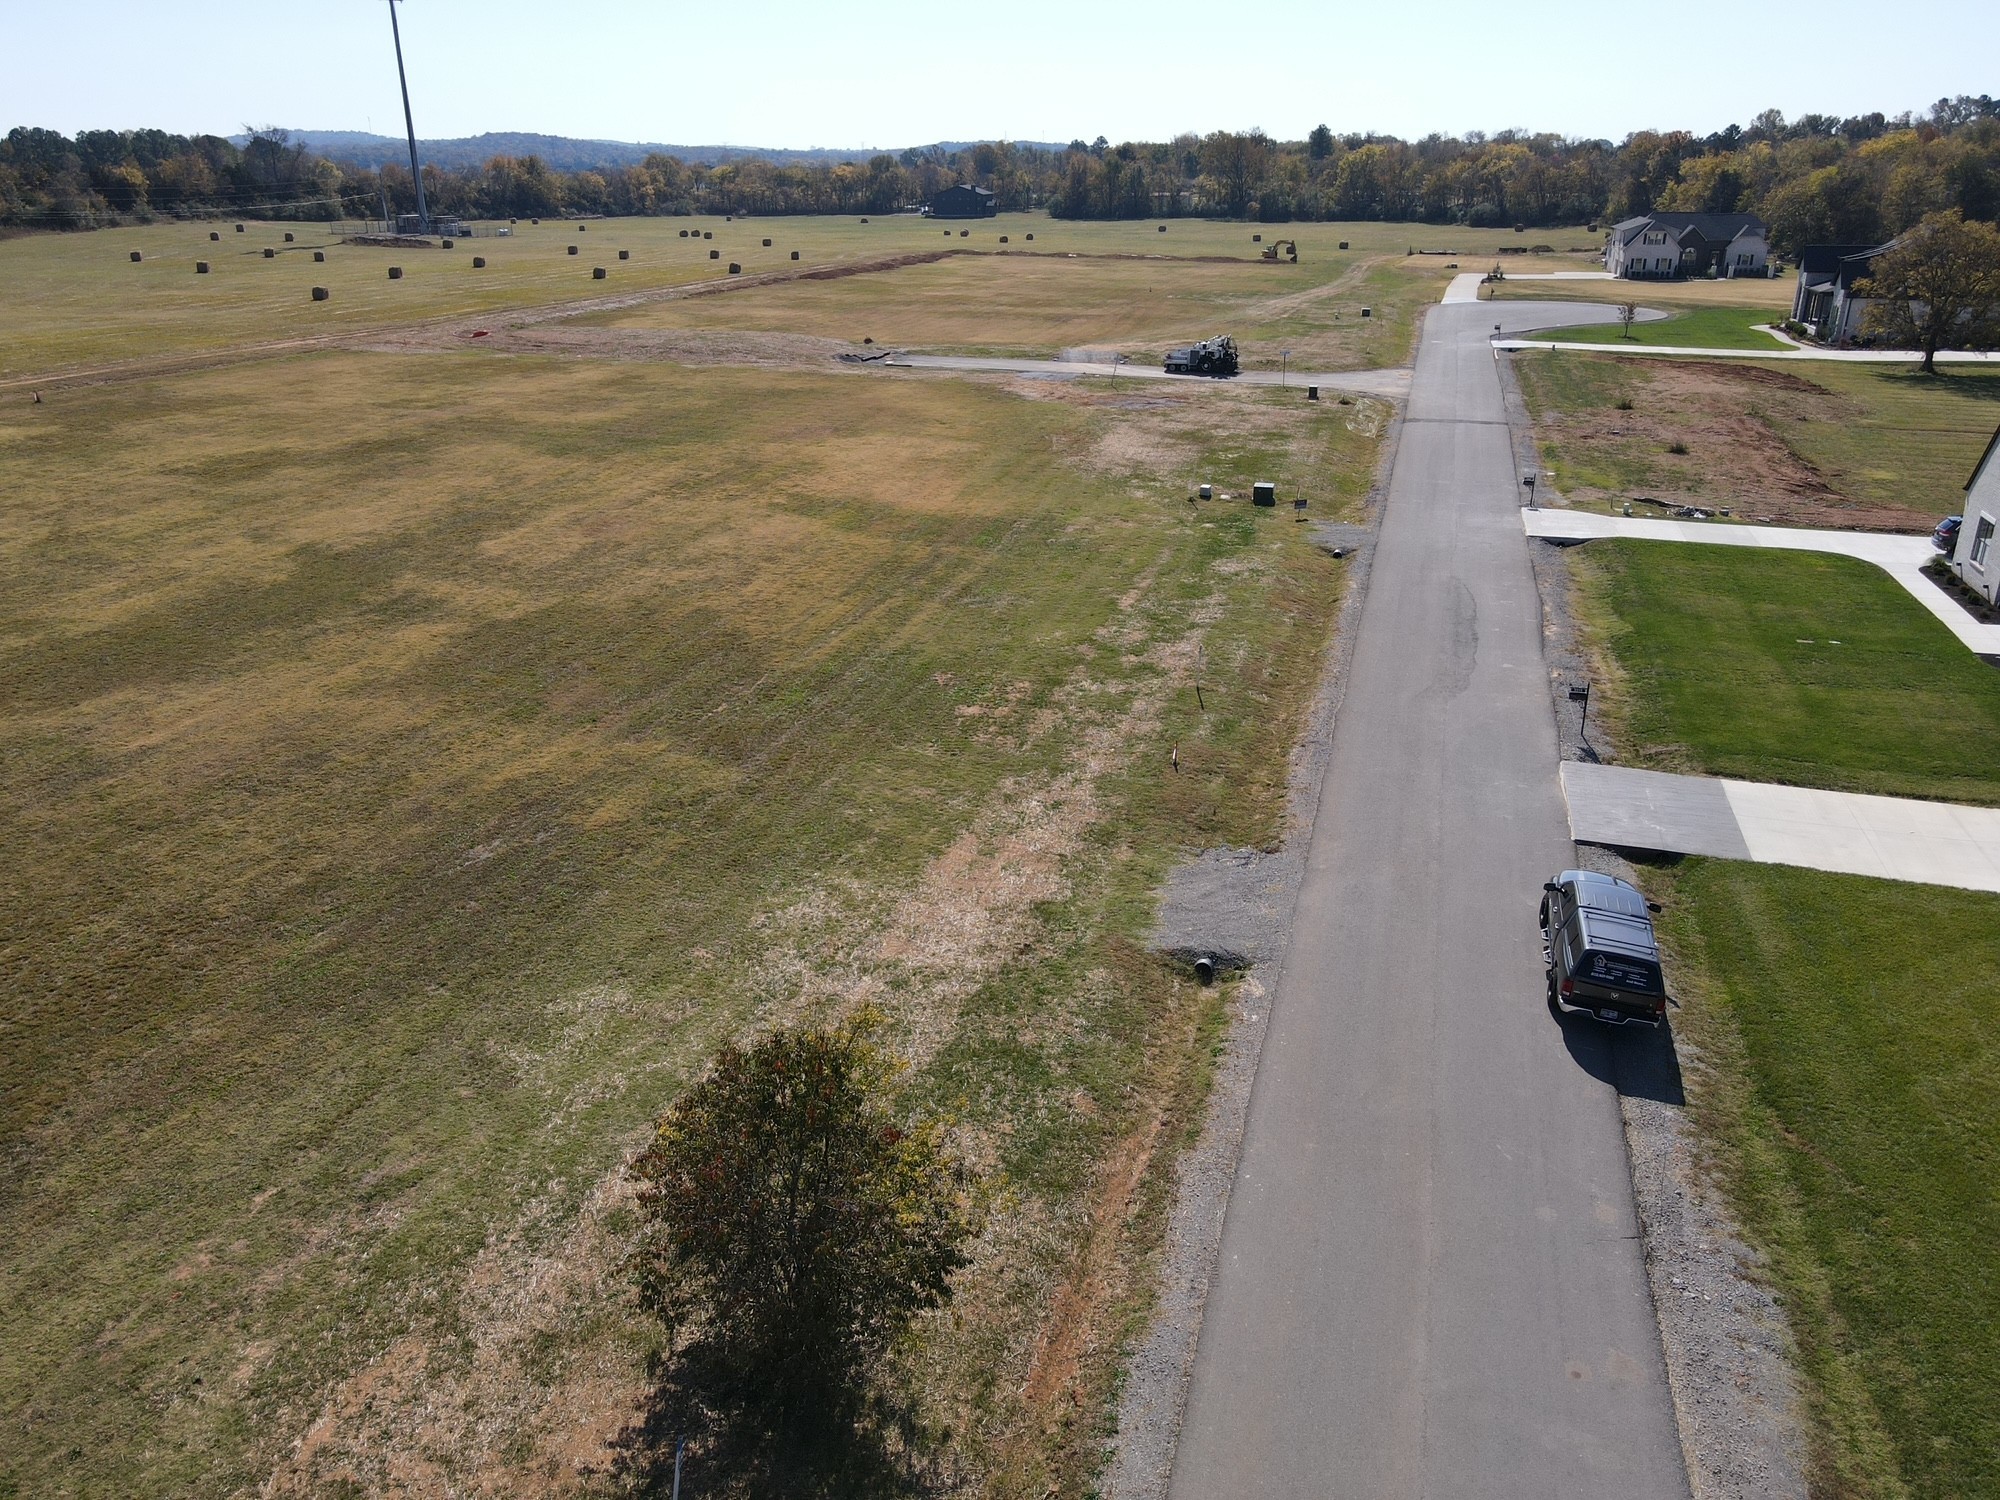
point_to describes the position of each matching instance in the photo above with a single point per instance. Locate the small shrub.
(1624, 403)
(1678, 447)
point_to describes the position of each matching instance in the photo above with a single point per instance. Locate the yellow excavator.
(1290, 247)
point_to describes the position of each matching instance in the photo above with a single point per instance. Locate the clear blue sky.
(892, 73)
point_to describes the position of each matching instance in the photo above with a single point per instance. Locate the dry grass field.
(1041, 305)
(417, 765)
(79, 300)
(1819, 444)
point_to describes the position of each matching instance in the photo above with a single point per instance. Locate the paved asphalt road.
(1430, 1280)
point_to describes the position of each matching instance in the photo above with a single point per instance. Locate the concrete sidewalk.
(1891, 838)
(1797, 351)
(1901, 557)
(1465, 285)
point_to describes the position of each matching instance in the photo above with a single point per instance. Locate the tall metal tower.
(416, 171)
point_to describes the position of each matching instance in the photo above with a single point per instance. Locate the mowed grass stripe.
(1793, 667)
(1849, 1030)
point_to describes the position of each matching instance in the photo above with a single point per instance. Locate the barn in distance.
(962, 202)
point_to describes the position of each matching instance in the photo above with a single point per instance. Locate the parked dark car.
(1597, 941)
(1946, 535)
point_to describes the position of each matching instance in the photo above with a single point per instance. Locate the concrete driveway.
(1430, 1281)
(1890, 838)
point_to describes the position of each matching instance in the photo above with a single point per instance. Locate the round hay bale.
(239, 229)
(965, 234)
(1031, 236)
(319, 257)
(320, 294)
(448, 244)
(572, 249)
(1003, 239)
(597, 273)
(534, 221)
(201, 268)
(947, 234)
(624, 254)
(715, 255)
(708, 234)
(269, 253)
(684, 234)
(288, 238)
(213, 236)
(1256, 239)
(1163, 229)
(478, 262)
(729, 218)
(1343, 244)
(795, 255)
(734, 269)
(513, 221)
(395, 273)
(581, 227)
(137, 257)
(864, 221)
(767, 244)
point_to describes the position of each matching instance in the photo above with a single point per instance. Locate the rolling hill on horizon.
(571, 153)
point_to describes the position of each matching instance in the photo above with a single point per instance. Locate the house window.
(1744, 257)
(1982, 542)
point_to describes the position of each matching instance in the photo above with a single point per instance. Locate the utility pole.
(409, 124)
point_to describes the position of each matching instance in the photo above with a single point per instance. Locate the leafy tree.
(1319, 145)
(1937, 286)
(794, 1228)
(1628, 312)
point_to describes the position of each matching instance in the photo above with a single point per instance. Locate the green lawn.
(1846, 1027)
(1902, 434)
(1850, 1031)
(417, 765)
(1792, 667)
(1697, 328)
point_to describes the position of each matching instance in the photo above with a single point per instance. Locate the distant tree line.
(1815, 179)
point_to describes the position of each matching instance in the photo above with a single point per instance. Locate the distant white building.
(1669, 247)
(1975, 556)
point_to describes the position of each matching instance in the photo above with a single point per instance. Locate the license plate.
(1609, 1015)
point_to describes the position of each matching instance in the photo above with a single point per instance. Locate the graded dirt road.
(1430, 1281)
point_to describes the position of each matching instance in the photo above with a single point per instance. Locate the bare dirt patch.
(1732, 420)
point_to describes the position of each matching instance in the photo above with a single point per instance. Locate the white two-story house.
(1663, 246)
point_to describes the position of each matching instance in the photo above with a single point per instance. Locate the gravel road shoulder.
(1234, 905)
